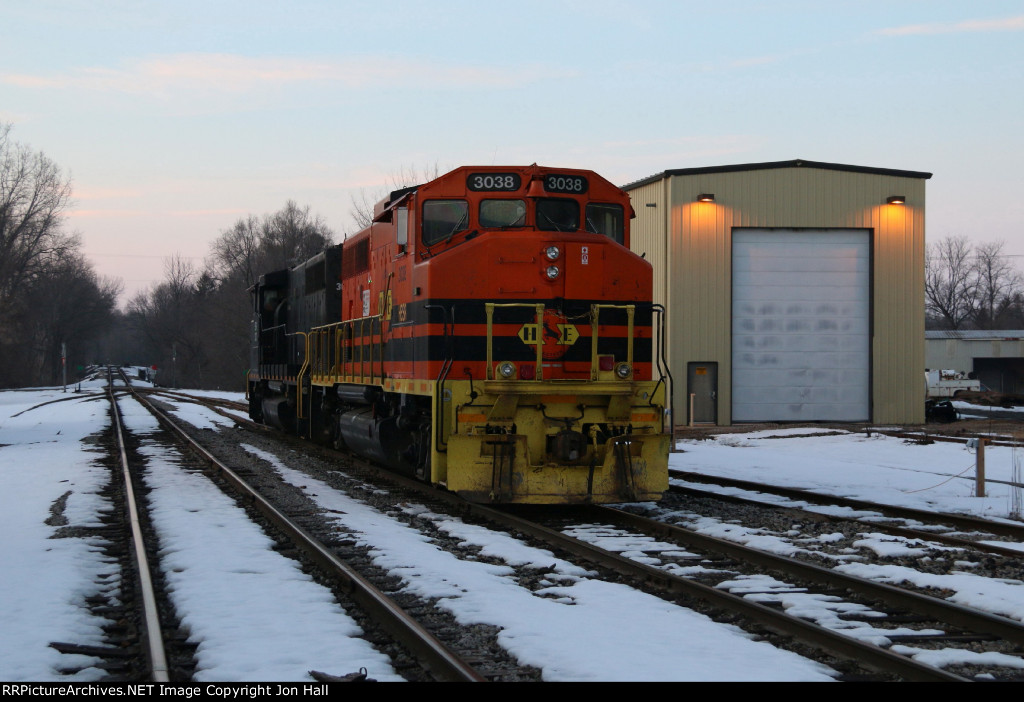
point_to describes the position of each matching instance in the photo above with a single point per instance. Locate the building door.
(702, 385)
(801, 325)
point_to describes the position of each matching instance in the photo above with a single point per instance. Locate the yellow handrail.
(595, 311)
(343, 363)
(298, 378)
(489, 308)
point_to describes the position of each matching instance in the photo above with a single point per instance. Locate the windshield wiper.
(450, 234)
(553, 222)
(456, 227)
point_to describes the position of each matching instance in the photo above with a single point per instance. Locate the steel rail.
(212, 402)
(866, 654)
(946, 438)
(959, 520)
(432, 653)
(840, 645)
(156, 655)
(905, 532)
(940, 609)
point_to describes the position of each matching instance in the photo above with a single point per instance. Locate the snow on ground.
(576, 628)
(572, 626)
(876, 468)
(240, 599)
(50, 480)
(967, 407)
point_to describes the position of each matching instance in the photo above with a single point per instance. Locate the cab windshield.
(558, 215)
(502, 213)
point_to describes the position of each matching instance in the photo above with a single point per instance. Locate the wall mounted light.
(706, 197)
(896, 199)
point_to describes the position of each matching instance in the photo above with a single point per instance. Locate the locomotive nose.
(583, 269)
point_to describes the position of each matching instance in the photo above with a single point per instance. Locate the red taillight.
(606, 363)
(527, 372)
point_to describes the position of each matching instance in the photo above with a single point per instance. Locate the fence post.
(979, 473)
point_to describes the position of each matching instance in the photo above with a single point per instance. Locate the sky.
(175, 120)
(572, 625)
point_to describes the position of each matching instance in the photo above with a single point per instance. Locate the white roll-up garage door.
(801, 325)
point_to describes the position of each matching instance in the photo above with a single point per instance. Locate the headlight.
(551, 272)
(552, 252)
(506, 369)
(623, 370)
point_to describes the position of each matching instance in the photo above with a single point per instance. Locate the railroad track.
(936, 622)
(141, 642)
(152, 639)
(437, 659)
(137, 650)
(983, 529)
(867, 600)
(216, 403)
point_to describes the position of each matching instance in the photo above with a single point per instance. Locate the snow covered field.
(577, 629)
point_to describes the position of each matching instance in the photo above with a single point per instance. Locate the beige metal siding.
(700, 255)
(647, 232)
(649, 236)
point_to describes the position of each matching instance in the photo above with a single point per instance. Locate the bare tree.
(971, 287)
(999, 285)
(70, 307)
(33, 196)
(166, 317)
(195, 324)
(49, 293)
(236, 252)
(951, 282)
(362, 206)
(282, 239)
(291, 235)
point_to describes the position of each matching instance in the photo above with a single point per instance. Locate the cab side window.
(607, 219)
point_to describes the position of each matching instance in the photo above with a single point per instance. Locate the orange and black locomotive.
(489, 332)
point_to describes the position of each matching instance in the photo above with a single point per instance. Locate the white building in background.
(995, 357)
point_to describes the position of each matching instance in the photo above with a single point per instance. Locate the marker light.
(506, 369)
(623, 370)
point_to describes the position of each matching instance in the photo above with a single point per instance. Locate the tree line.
(195, 324)
(51, 299)
(972, 286)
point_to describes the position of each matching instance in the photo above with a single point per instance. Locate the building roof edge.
(796, 163)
